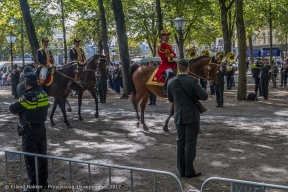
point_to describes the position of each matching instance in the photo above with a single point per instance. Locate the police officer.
(15, 77)
(255, 69)
(265, 78)
(21, 86)
(45, 59)
(32, 109)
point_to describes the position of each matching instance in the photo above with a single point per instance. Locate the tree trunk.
(64, 31)
(22, 42)
(242, 82)
(30, 29)
(286, 44)
(123, 45)
(270, 30)
(251, 50)
(104, 29)
(159, 17)
(227, 34)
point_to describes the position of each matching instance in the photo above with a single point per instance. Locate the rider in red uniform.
(166, 54)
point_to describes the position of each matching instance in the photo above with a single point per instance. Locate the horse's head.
(102, 63)
(80, 73)
(213, 71)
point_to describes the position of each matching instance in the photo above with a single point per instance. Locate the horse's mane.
(198, 58)
(88, 60)
(66, 65)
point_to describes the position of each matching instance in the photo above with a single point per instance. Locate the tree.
(227, 28)
(159, 17)
(123, 45)
(242, 86)
(30, 29)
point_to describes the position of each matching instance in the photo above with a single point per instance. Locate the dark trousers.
(186, 147)
(219, 88)
(203, 83)
(152, 99)
(229, 81)
(257, 86)
(14, 92)
(36, 143)
(111, 82)
(102, 88)
(264, 87)
(283, 80)
(116, 83)
(212, 90)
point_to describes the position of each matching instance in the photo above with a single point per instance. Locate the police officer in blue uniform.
(32, 109)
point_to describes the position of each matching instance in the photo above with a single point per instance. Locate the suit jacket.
(221, 74)
(185, 110)
(44, 58)
(77, 55)
(264, 73)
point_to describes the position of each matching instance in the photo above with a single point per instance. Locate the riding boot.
(170, 74)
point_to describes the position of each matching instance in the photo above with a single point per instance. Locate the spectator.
(1, 77)
(274, 73)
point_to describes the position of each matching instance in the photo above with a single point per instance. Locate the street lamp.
(113, 52)
(11, 39)
(180, 23)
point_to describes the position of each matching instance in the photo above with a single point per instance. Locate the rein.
(94, 70)
(205, 68)
(64, 75)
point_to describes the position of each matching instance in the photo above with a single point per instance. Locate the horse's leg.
(135, 103)
(61, 103)
(96, 102)
(165, 127)
(80, 95)
(143, 107)
(52, 113)
(69, 106)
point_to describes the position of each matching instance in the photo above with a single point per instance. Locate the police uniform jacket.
(264, 73)
(166, 54)
(77, 55)
(221, 74)
(34, 102)
(185, 110)
(45, 58)
(256, 68)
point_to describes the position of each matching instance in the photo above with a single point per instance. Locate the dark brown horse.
(59, 87)
(96, 62)
(201, 67)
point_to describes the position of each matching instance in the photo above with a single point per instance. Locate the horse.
(94, 63)
(59, 87)
(201, 67)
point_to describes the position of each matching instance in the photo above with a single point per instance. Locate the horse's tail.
(132, 69)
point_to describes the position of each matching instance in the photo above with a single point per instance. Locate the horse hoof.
(145, 128)
(80, 119)
(52, 124)
(69, 109)
(68, 126)
(165, 128)
(96, 115)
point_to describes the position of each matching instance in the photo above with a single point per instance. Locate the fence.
(243, 186)
(17, 156)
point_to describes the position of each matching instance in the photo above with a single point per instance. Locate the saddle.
(157, 78)
(49, 76)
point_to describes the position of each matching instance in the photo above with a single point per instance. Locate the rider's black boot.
(170, 74)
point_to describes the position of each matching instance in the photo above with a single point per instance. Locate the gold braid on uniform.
(79, 54)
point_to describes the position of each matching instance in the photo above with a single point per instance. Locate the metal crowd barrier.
(11, 155)
(244, 186)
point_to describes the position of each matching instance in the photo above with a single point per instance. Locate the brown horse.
(59, 87)
(200, 67)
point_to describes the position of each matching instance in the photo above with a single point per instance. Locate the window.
(264, 38)
(259, 39)
(275, 38)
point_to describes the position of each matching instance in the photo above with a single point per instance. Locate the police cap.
(183, 62)
(30, 76)
(27, 69)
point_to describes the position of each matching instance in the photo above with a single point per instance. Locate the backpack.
(252, 97)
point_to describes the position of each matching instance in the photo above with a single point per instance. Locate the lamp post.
(180, 23)
(113, 52)
(11, 39)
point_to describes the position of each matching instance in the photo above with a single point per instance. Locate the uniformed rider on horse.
(76, 52)
(45, 59)
(166, 54)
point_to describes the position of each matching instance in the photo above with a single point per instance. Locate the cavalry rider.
(166, 54)
(45, 59)
(76, 53)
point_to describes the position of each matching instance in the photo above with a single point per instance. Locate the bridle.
(97, 65)
(207, 67)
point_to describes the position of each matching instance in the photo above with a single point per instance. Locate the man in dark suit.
(265, 78)
(186, 117)
(219, 87)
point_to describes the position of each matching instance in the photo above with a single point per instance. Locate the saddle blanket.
(157, 78)
(49, 78)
